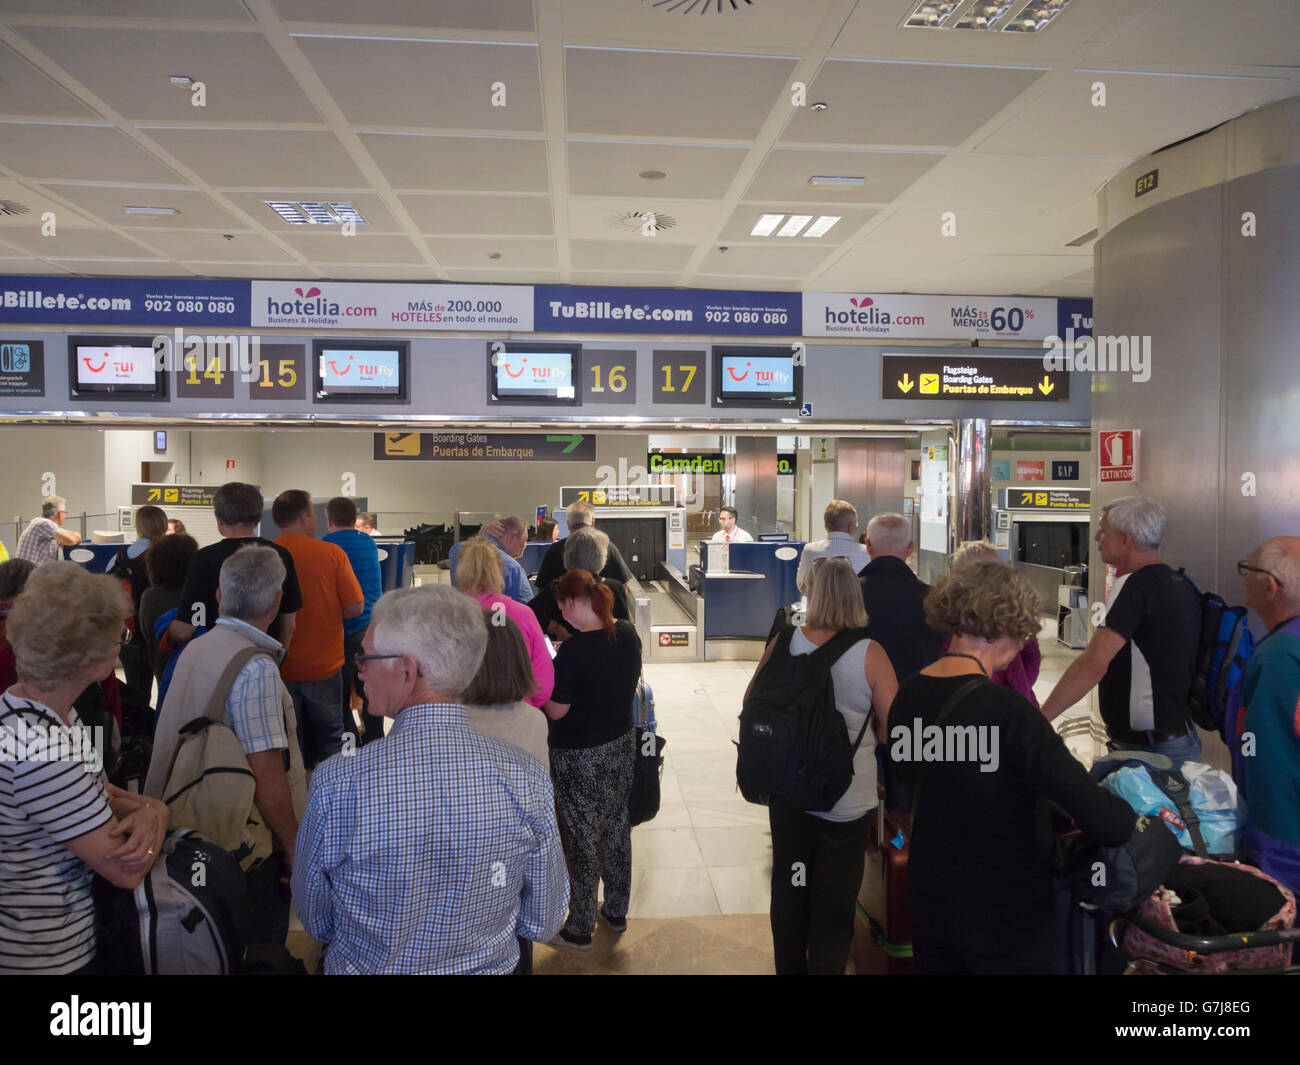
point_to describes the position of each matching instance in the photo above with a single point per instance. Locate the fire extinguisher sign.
(1117, 455)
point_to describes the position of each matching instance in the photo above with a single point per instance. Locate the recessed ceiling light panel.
(1035, 17)
(766, 225)
(833, 179)
(314, 212)
(792, 227)
(150, 210)
(820, 227)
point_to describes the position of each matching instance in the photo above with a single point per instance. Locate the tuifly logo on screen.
(115, 366)
(517, 372)
(757, 375)
(342, 369)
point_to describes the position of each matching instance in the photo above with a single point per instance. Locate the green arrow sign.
(574, 440)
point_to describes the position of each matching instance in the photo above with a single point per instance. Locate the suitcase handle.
(1271, 937)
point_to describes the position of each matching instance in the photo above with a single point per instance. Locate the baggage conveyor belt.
(669, 630)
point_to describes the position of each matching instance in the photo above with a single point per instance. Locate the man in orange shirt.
(313, 665)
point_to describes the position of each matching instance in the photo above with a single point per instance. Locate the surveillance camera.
(722, 249)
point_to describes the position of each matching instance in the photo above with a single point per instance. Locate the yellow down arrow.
(905, 384)
(1045, 385)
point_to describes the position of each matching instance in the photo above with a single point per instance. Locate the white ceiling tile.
(262, 158)
(173, 9)
(193, 209)
(362, 248)
(783, 28)
(1009, 273)
(243, 79)
(515, 253)
(488, 215)
(29, 92)
(69, 243)
(446, 14)
(466, 164)
(647, 253)
(970, 97)
(54, 152)
(982, 180)
(610, 168)
(677, 95)
(18, 267)
(785, 174)
(121, 268)
(626, 280)
(592, 218)
(213, 247)
(1200, 33)
(751, 259)
(441, 85)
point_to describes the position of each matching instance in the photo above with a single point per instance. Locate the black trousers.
(817, 868)
(372, 724)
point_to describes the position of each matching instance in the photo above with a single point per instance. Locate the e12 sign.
(1065, 471)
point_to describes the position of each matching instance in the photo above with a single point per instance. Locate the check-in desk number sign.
(679, 377)
(280, 373)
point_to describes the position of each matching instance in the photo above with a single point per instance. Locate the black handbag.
(648, 759)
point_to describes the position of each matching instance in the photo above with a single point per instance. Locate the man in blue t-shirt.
(341, 516)
(1271, 707)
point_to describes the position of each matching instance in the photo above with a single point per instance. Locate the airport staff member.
(841, 520)
(728, 532)
(41, 540)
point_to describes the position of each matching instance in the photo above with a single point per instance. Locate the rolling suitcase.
(883, 941)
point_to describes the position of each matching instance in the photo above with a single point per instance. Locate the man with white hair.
(580, 515)
(41, 540)
(841, 521)
(1271, 711)
(1143, 659)
(510, 535)
(431, 851)
(894, 597)
(258, 710)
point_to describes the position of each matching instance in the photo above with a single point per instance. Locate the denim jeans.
(319, 706)
(1182, 749)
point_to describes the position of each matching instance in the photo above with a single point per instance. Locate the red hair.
(579, 584)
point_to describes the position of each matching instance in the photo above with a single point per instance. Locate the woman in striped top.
(60, 820)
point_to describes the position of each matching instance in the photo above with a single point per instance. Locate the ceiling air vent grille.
(636, 221)
(12, 208)
(700, 7)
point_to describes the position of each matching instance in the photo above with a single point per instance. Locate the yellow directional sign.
(905, 383)
(1040, 499)
(930, 384)
(171, 495)
(402, 444)
(155, 494)
(1045, 385)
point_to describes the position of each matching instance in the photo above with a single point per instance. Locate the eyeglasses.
(360, 660)
(1243, 568)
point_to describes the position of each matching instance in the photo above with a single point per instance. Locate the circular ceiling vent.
(700, 7)
(635, 221)
(9, 207)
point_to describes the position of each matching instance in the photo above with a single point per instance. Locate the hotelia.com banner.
(356, 305)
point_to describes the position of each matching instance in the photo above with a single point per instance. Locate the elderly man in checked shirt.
(430, 851)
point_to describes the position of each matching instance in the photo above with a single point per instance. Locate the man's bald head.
(1277, 599)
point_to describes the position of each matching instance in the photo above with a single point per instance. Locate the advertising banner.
(884, 317)
(123, 301)
(658, 311)
(379, 305)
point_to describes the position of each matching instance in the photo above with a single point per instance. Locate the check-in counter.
(740, 604)
(396, 563)
(534, 552)
(94, 557)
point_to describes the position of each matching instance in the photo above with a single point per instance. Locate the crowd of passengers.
(445, 771)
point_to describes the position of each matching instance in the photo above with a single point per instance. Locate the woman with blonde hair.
(981, 764)
(813, 921)
(59, 826)
(479, 574)
(1020, 673)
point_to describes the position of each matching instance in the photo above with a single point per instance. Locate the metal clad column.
(972, 514)
(756, 483)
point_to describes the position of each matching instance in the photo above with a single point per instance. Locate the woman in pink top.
(479, 573)
(1021, 671)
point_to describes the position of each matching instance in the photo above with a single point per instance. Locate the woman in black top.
(593, 747)
(981, 770)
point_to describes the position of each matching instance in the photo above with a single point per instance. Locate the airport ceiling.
(394, 107)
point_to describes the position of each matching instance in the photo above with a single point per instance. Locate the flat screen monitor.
(756, 377)
(360, 371)
(124, 367)
(534, 373)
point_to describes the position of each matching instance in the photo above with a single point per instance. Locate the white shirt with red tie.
(736, 536)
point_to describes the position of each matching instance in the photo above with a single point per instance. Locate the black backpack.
(794, 746)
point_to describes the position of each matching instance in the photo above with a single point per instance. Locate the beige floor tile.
(735, 844)
(672, 893)
(743, 888)
(712, 786)
(666, 848)
(726, 813)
